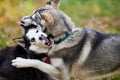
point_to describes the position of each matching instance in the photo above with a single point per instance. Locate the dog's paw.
(21, 63)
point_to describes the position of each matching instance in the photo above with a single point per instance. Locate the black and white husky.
(8, 72)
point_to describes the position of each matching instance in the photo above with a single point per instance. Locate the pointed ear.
(54, 3)
(48, 18)
(20, 41)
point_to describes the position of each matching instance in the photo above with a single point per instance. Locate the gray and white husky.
(81, 53)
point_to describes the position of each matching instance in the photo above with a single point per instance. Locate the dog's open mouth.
(48, 41)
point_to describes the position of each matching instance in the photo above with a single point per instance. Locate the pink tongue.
(47, 41)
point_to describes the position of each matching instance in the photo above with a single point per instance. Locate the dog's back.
(12, 73)
(99, 56)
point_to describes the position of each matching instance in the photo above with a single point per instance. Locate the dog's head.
(35, 40)
(51, 20)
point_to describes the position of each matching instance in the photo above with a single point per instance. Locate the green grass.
(3, 43)
(84, 9)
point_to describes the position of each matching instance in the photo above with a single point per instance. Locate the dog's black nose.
(41, 37)
(22, 22)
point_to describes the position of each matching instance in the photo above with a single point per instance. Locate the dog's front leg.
(44, 67)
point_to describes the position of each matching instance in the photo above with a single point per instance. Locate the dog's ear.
(20, 41)
(48, 18)
(54, 3)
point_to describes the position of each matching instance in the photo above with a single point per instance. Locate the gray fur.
(103, 58)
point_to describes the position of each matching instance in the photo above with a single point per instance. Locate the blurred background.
(102, 15)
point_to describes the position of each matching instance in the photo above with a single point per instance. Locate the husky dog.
(82, 53)
(8, 72)
(29, 42)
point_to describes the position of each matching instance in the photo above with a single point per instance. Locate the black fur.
(12, 73)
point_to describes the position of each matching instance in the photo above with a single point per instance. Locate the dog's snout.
(42, 37)
(22, 22)
(26, 21)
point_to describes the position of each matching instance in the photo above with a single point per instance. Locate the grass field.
(102, 15)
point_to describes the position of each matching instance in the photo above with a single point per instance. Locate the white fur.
(56, 61)
(32, 34)
(43, 22)
(23, 63)
(39, 50)
(59, 63)
(47, 68)
(27, 21)
(52, 70)
(85, 52)
(38, 45)
(33, 16)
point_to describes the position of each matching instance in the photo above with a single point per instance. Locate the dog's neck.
(41, 56)
(62, 39)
